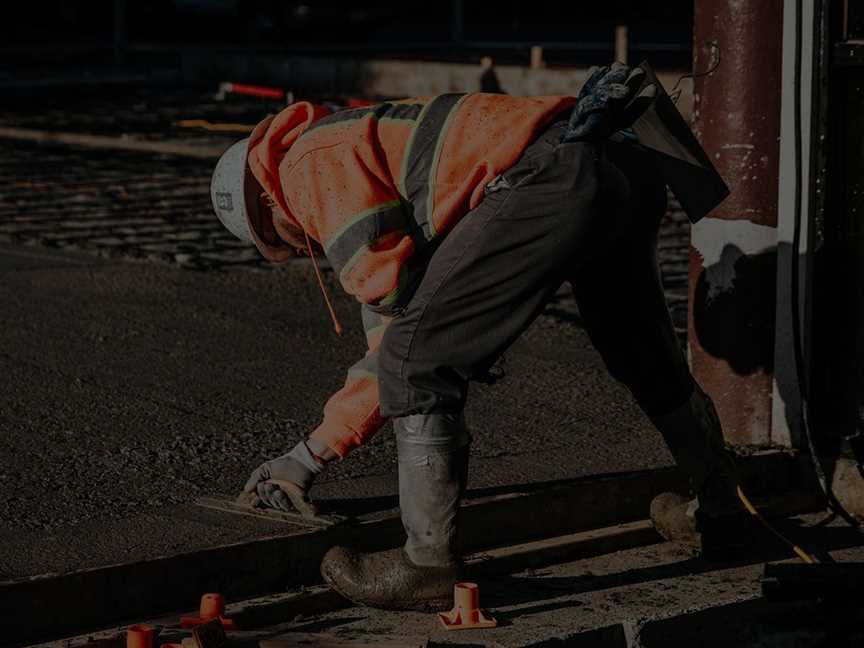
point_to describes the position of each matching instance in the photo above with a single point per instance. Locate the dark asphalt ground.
(147, 358)
(129, 388)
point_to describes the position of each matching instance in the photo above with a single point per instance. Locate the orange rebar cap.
(212, 607)
(139, 636)
(466, 613)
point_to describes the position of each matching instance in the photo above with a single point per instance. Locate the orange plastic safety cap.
(212, 607)
(139, 636)
(466, 613)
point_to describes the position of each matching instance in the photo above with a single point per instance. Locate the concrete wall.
(405, 78)
(391, 78)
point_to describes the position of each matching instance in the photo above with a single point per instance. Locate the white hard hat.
(234, 191)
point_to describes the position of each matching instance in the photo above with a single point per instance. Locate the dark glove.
(609, 101)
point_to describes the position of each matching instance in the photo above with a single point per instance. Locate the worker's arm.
(352, 415)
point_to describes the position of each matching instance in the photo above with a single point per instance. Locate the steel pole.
(733, 256)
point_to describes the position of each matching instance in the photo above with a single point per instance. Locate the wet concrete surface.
(131, 388)
(147, 357)
(141, 533)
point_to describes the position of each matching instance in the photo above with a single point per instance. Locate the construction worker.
(453, 220)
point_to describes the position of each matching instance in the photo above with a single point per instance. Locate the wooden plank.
(566, 507)
(280, 608)
(55, 605)
(323, 641)
(105, 142)
(260, 613)
(574, 546)
(227, 505)
(505, 560)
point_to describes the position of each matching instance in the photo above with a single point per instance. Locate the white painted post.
(536, 57)
(786, 404)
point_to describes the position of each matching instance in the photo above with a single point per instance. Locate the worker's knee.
(412, 378)
(420, 435)
(392, 393)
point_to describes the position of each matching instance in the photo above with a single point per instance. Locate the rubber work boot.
(433, 466)
(714, 524)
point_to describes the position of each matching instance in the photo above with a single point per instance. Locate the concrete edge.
(256, 614)
(53, 605)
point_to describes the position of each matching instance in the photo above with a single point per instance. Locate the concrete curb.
(53, 605)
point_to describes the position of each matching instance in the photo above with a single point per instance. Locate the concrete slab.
(35, 257)
(646, 597)
(131, 387)
(142, 536)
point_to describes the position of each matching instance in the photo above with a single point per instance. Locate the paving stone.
(232, 256)
(183, 236)
(110, 241)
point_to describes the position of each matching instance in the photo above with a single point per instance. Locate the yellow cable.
(210, 126)
(803, 555)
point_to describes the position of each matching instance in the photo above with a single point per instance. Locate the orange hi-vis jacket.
(376, 187)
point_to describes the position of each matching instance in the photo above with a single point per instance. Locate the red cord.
(336, 325)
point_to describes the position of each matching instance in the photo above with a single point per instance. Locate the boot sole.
(440, 604)
(428, 605)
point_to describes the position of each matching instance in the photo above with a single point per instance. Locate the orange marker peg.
(466, 613)
(139, 636)
(212, 607)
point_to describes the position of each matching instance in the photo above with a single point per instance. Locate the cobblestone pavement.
(117, 204)
(157, 208)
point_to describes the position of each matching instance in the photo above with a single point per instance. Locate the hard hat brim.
(252, 191)
(235, 193)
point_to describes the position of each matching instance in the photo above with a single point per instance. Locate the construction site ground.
(147, 358)
(132, 388)
(650, 596)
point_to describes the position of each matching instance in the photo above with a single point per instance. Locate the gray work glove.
(609, 101)
(282, 483)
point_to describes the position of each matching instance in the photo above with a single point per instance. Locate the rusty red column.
(736, 117)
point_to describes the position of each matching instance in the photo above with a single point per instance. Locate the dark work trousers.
(584, 212)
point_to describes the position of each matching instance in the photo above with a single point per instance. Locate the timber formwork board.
(55, 605)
